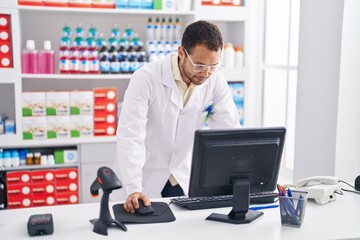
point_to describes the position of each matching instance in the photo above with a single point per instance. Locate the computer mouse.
(144, 210)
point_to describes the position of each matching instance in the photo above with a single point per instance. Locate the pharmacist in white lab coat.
(165, 102)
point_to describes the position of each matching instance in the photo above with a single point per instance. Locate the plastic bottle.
(1, 160)
(175, 46)
(93, 57)
(15, 159)
(163, 27)
(37, 158)
(30, 58)
(169, 30)
(133, 62)
(50, 159)
(64, 55)
(149, 30)
(74, 58)
(157, 29)
(84, 58)
(7, 158)
(43, 160)
(29, 159)
(176, 33)
(229, 56)
(239, 58)
(153, 56)
(22, 156)
(47, 59)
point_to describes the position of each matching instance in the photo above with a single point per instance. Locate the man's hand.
(132, 201)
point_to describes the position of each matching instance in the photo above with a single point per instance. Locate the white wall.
(327, 140)
(348, 132)
(317, 91)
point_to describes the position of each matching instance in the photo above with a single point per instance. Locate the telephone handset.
(317, 180)
(322, 189)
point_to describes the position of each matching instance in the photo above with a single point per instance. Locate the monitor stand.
(240, 213)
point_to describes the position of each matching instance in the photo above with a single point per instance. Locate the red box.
(67, 198)
(65, 175)
(101, 117)
(42, 200)
(108, 94)
(19, 202)
(67, 187)
(19, 190)
(4, 21)
(104, 129)
(5, 35)
(105, 108)
(44, 189)
(18, 177)
(42, 176)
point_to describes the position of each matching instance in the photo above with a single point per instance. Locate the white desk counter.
(336, 220)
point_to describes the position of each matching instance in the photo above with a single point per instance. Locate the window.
(279, 68)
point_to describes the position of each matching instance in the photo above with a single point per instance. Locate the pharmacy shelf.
(235, 74)
(7, 79)
(105, 10)
(16, 143)
(38, 167)
(222, 13)
(77, 76)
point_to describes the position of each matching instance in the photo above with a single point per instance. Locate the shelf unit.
(45, 23)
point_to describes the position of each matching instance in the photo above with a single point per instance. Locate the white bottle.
(43, 160)
(229, 56)
(50, 160)
(15, 159)
(7, 159)
(239, 58)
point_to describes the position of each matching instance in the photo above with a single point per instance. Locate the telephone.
(320, 188)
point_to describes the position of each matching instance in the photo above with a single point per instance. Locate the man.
(165, 102)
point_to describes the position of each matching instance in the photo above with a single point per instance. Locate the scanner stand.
(105, 219)
(240, 213)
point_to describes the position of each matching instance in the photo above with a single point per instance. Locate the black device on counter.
(106, 180)
(40, 224)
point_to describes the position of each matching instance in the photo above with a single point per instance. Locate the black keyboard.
(221, 201)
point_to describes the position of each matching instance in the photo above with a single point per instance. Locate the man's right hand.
(132, 201)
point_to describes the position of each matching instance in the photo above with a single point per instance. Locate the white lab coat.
(155, 132)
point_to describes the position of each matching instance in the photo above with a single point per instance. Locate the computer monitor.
(236, 161)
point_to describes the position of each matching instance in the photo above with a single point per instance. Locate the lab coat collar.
(169, 81)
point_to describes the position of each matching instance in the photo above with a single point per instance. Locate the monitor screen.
(219, 155)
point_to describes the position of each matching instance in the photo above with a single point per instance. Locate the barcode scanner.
(106, 180)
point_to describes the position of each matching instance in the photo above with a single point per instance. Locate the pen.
(290, 196)
(263, 207)
(299, 205)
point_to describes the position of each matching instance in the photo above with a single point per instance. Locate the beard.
(197, 78)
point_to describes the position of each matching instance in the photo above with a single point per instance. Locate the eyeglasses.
(202, 67)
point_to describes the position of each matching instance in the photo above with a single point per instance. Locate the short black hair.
(202, 33)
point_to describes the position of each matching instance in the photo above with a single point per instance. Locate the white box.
(58, 126)
(57, 103)
(34, 128)
(81, 102)
(33, 103)
(70, 156)
(82, 125)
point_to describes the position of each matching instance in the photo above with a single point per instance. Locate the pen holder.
(292, 209)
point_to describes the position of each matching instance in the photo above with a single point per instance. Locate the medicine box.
(57, 103)
(58, 126)
(34, 128)
(81, 125)
(105, 95)
(81, 102)
(65, 156)
(33, 103)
